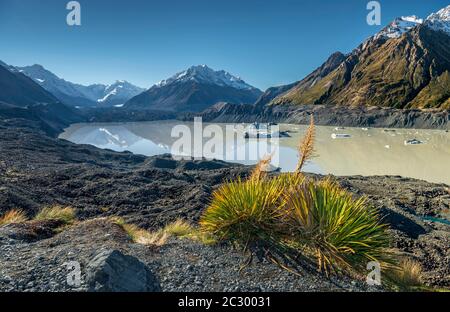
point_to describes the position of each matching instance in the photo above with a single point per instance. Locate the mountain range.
(79, 95)
(194, 90)
(19, 90)
(22, 98)
(405, 65)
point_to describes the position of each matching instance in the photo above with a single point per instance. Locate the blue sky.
(266, 42)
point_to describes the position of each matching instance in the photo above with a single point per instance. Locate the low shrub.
(406, 275)
(178, 228)
(64, 214)
(244, 211)
(13, 216)
(340, 231)
(292, 215)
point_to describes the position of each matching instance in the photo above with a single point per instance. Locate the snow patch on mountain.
(399, 26)
(117, 93)
(204, 74)
(440, 21)
(120, 90)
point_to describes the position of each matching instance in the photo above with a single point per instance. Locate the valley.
(89, 180)
(152, 192)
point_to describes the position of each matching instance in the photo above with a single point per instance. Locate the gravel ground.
(179, 265)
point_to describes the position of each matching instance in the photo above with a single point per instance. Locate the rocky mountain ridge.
(194, 90)
(406, 65)
(74, 94)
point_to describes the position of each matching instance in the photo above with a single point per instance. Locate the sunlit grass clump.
(13, 216)
(294, 215)
(178, 228)
(65, 215)
(243, 211)
(339, 230)
(407, 275)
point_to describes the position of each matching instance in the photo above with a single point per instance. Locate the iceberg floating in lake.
(340, 136)
(413, 142)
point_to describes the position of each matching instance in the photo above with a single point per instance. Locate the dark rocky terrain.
(324, 115)
(178, 265)
(328, 115)
(37, 170)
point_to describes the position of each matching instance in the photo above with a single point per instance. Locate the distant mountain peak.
(121, 89)
(399, 26)
(79, 95)
(38, 66)
(408, 68)
(207, 75)
(440, 21)
(195, 89)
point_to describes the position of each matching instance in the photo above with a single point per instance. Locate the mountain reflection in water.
(365, 152)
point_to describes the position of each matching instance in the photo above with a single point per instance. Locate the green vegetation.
(407, 72)
(244, 211)
(64, 214)
(13, 216)
(338, 230)
(436, 94)
(292, 215)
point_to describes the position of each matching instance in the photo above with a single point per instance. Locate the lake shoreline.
(341, 151)
(325, 115)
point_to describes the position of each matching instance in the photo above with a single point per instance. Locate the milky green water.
(366, 152)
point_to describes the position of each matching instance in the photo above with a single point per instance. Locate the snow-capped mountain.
(19, 90)
(406, 65)
(195, 89)
(399, 26)
(79, 95)
(119, 92)
(440, 21)
(204, 74)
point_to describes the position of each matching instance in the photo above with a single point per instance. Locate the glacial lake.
(365, 152)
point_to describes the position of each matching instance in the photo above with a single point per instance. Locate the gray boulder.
(112, 271)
